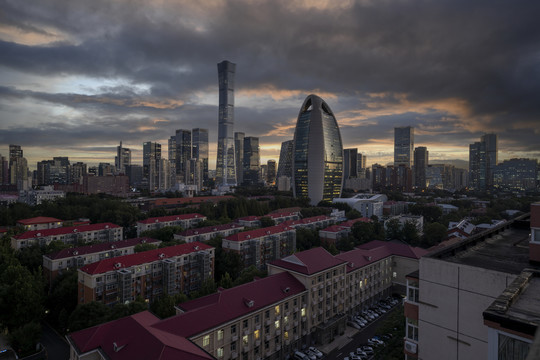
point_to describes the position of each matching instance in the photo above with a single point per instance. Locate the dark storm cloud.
(484, 53)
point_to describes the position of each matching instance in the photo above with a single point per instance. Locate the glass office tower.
(225, 164)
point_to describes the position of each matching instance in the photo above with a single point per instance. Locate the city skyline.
(75, 85)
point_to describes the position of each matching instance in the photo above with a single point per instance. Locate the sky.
(78, 76)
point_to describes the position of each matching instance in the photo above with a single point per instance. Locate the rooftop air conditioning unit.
(410, 347)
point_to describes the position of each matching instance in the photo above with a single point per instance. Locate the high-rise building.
(18, 167)
(251, 161)
(477, 166)
(4, 170)
(164, 174)
(361, 168)
(172, 158)
(200, 150)
(122, 159)
(421, 156)
(239, 156)
(285, 159)
(516, 174)
(194, 173)
(183, 152)
(403, 146)
(225, 164)
(151, 157)
(492, 156)
(78, 171)
(350, 163)
(271, 172)
(317, 153)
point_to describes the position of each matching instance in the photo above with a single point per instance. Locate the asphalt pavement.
(56, 345)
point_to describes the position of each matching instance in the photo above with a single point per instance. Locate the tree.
(25, 338)
(226, 281)
(31, 257)
(410, 233)
(434, 233)
(164, 306)
(164, 234)
(144, 247)
(363, 232)
(267, 221)
(431, 213)
(87, 315)
(248, 274)
(393, 229)
(62, 299)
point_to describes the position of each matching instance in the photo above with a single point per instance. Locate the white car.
(353, 356)
(316, 351)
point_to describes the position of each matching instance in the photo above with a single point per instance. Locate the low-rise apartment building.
(208, 232)
(40, 223)
(313, 223)
(260, 246)
(103, 232)
(336, 232)
(149, 274)
(186, 221)
(73, 258)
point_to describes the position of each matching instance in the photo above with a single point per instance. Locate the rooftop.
(127, 261)
(91, 249)
(213, 310)
(133, 337)
(308, 220)
(169, 218)
(257, 233)
(65, 230)
(38, 220)
(309, 262)
(210, 229)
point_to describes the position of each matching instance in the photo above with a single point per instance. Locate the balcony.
(234, 354)
(234, 338)
(268, 322)
(268, 337)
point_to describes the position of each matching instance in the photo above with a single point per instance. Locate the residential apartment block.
(313, 223)
(186, 221)
(208, 232)
(40, 223)
(103, 232)
(149, 274)
(278, 217)
(455, 307)
(73, 258)
(260, 246)
(334, 233)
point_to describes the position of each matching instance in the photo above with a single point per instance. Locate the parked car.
(361, 352)
(353, 356)
(317, 352)
(310, 354)
(354, 325)
(298, 355)
(367, 349)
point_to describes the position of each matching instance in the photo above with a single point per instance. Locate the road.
(56, 345)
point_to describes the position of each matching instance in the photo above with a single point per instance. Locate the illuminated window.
(206, 340)
(220, 334)
(276, 323)
(245, 339)
(220, 352)
(285, 320)
(257, 334)
(303, 311)
(276, 309)
(286, 335)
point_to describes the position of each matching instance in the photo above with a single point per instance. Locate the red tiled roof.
(38, 220)
(308, 262)
(161, 219)
(91, 249)
(350, 223)
(144, 257)
(396, 248)
(334, 228)
(307, 220)
(229, 304)
(249, 218)
(135, 338)
(209, 229)
(66, 230)
(257, 233)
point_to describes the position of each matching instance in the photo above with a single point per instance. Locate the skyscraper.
(350, 163)
(285, 159)
(183, 152)
(251, 161)
(225, 164)
(200, 150)
(239, 156)
(492, 157)
(18, 168)
(477, 166)
(122, 159)
(403, 146)
(271, 172)
(420, 164)
(317, 153)
(151, 157)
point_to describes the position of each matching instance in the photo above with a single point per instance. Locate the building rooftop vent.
(249, 303)
(118, 265)
(75, 252)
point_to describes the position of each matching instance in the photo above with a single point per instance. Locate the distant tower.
(492, 158)
(200, 150)
(350, 163)
(123, 158)
(252, 163)
(285, 159)
(317, 153)
(271, 171)
(239, 156)
(183, 152)
(420, 164)
(403, 146)
(483, 159)
(151, 158)
(225, 164)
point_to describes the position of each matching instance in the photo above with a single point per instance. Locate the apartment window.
(412, 291)
(245, 324)
(220, 334)
(512, 348)
(328, 275)
(267, 329)
(233, 346)
(412, 329)
(285, 320)
(286, 335)
(257, 318)
(219, 352)
(257, 334)
(245, 339)
(276, 323)
(286, 306)
(267, 314)
(233, 329)
(206, 340)
(319, 278)
(303, 311)
(276, 309)
(295, 302)
(267, 345)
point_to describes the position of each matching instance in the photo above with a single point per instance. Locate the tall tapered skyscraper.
(225, 164)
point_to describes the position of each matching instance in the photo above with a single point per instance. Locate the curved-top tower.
(317, 153)
(225, 164)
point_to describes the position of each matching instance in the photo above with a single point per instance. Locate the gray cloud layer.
(484, 53)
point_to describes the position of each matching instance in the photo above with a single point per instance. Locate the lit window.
(220, 334)
(276, 323)
(257, 334)
(245, 339)
(303, 312)
(394, 274)
(220, 352)
(285, 320)
(206, 340)
(286, 335)
(276, 309)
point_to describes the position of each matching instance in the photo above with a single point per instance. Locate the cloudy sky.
(79, 76)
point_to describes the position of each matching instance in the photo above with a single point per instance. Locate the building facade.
(421, 162)
(186, 221)
(200, 150)
(404, 146)
(317, 153)
(251, 161)
(149, 274)
(206, 233)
